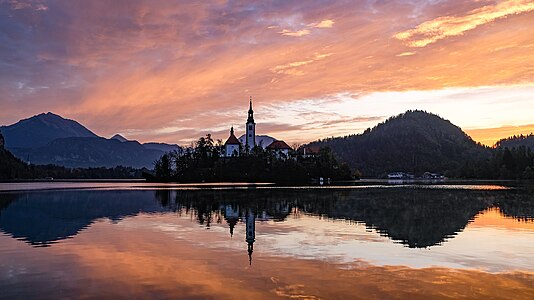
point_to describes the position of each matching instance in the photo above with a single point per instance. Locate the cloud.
(301, 32)
(323, 24)
(439, 28)
(291, 68)
(139, 66)
(406, 54)
(305, 31)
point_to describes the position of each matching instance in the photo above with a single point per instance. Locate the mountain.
(91, 152)
(415, 141)
(119, 138)
(41, 129)
(50, 139)
(517, 141)
(151, 145)
(261, 140)
(162, 147)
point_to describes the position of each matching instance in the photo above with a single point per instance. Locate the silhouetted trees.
(507, 163)
(203, 163)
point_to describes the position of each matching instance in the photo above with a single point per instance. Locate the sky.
(172, 71)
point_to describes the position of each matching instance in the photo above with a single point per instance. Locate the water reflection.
(417, 218)
(373, 243)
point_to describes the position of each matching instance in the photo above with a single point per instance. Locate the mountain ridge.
(48, 138)
(41, 129)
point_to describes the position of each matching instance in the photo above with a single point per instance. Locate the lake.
(220, 241)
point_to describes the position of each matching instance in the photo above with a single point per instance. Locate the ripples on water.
(367, 241)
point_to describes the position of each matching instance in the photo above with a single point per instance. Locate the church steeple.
(250, 140)
(250, 113)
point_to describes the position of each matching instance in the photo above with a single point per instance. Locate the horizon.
(241, 135)
(149, 72)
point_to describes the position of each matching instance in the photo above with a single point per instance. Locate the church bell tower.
(251, 129)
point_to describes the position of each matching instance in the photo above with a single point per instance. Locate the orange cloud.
(323, 24)
(291, 68)
(406, 54)
(489, 136)
(434, 30)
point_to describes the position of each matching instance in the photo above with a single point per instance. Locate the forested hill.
(10, 166)
(415, 141)
(517, 141)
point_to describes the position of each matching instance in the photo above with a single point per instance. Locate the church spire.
(250, 113)
(250, 140)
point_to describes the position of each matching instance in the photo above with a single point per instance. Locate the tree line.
(204, 162)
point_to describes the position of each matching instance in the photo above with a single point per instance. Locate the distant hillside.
(415, 141)
(119, 138)
(10, 166)
(41, 129)
(50, 139)
(162, 147)
(91, 152)
(517, 141)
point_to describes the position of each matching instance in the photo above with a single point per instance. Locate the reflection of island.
(414, 217)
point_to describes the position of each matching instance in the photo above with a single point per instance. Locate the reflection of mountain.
(414, 217)
(41, 218)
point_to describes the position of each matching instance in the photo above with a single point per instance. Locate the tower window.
(249, 135)
(249, 127)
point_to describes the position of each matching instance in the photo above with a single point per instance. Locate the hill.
(10, 166)
(91, 152)
(162, 147)
(415, 141)
(517, 141)
(51, 139)
(41, 129)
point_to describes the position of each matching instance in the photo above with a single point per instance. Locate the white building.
(232, 145)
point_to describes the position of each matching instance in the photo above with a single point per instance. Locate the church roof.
(278, 145)
(232, 140)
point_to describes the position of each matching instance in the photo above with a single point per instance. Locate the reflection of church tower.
(251, 234)
(250, 138)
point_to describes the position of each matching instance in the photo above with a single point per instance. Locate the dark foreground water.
(373, 242)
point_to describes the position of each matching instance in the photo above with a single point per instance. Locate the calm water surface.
(371, 241)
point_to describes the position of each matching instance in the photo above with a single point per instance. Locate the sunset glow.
(171, 71)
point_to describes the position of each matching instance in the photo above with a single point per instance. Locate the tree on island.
(204, 162)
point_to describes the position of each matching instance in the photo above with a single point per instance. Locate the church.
(235, 147)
